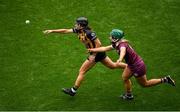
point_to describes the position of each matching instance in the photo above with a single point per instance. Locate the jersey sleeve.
(123, 45)
(91, 35)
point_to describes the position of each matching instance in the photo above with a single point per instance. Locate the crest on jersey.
(93, 34)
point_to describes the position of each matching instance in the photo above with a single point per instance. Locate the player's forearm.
(99, 49)
(60, 31)
(121, 57)
(122, 54)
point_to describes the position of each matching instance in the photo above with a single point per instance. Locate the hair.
(87, 28)
(129, 42)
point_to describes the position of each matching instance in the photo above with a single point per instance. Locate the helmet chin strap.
(114, 42)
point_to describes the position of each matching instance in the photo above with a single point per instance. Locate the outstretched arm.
(58, 31)
(101, 49)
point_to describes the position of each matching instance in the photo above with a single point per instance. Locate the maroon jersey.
(134, 61)
(131, 57)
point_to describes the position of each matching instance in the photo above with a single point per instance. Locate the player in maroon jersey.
(89, 39)
(136, 66)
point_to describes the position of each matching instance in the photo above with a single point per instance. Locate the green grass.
(33, 68)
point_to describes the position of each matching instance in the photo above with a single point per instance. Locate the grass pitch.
(34, 67)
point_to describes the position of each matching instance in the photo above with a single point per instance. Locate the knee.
(112, 67)
(124, 79)
(144, 85)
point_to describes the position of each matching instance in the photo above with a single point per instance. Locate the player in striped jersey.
(89, 39)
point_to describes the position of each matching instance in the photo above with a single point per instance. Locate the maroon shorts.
(138, 69)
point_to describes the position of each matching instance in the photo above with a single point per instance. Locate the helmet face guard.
(113, 41)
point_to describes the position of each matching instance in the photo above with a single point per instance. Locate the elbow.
(64, 31)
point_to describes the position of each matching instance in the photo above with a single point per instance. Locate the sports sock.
(74, 89)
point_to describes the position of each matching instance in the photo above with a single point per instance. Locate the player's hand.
(118, 61)
(47, 31)
(90, 50)
(121, 64)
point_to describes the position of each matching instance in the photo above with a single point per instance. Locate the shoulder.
(123, 44)
(90, 34)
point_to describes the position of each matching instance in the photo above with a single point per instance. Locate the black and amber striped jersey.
(87, 37)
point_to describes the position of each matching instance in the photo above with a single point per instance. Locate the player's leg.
(127, 84)
(142, 80)
(152, 82)
(87, 65)
(110, 64)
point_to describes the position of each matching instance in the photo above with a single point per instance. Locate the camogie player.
(136, 66)
(89, 39)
